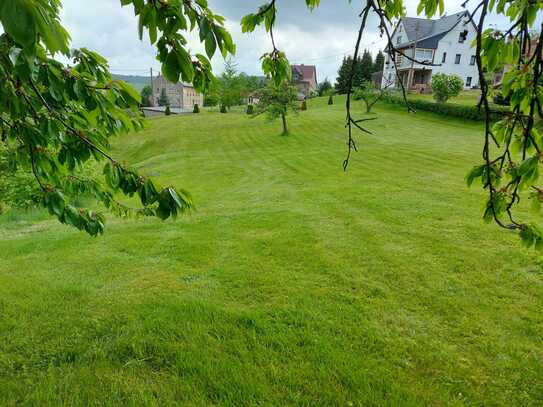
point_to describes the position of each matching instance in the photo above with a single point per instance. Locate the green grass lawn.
(293, 283)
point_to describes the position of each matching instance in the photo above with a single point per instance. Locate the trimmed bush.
(168, 111)
(250, 109)
(446, 109)
(330, 100)
(303, 107)
(223, 109)
(446, 86)
(196, 108)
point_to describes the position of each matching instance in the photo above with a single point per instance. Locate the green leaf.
(19, 21)
(170, 68)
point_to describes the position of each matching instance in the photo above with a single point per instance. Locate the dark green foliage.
(379, 62)
(363, 68)
(146, 95)
(163, 98)
(223, 109)
(196, 108)
(330, 100)
(499, 99)
(18, 187)
(168, 111)
(211, 99)
(446, 109)
(324, 87)
(342, 81)
(250, 109)
(303, 107)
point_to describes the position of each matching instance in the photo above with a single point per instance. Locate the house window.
(463, 36)
(457, 59)
(472, 60)
(424, 55)
(468, 81)
(444, 59)
(399, 40)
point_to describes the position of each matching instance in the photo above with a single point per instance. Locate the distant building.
(445, 42)
(252, 98)
(180, 95)
(304, 77)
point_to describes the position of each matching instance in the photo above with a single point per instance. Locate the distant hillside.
(137, 82)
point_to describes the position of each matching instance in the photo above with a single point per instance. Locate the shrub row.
(446, 109)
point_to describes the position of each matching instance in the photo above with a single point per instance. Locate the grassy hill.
(293, 283)
(138, 82)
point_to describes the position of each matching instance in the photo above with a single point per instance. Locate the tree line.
(364, 68)
(232, 88)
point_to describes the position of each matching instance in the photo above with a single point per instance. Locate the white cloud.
(320, 37)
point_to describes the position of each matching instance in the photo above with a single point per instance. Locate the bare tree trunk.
(285, 128)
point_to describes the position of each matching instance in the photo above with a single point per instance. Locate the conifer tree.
(379, 62)
(365, 67)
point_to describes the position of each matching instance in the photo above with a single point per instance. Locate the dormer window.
(463, 36)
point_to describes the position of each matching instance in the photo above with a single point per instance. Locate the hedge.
(446, 109)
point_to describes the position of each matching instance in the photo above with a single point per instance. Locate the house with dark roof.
(445, 43)
(304, 77)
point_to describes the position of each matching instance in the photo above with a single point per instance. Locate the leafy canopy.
(56, 118)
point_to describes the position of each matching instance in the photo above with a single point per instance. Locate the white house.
(445, 42)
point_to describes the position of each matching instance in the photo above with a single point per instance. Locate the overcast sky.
(321, 37)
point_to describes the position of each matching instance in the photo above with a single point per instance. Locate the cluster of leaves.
(165, 20)
(18, 188)
(446, 86)
(512, 151)
(55, 118)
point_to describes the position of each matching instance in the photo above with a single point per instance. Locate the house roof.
(185, 84)
(426, 32)
(306, 72)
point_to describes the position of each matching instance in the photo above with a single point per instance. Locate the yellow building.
(180, 95)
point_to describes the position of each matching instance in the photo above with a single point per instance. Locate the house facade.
(180, 95)
(445, 42)
(304, 77)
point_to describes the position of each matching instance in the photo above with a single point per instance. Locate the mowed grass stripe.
(293, 283)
